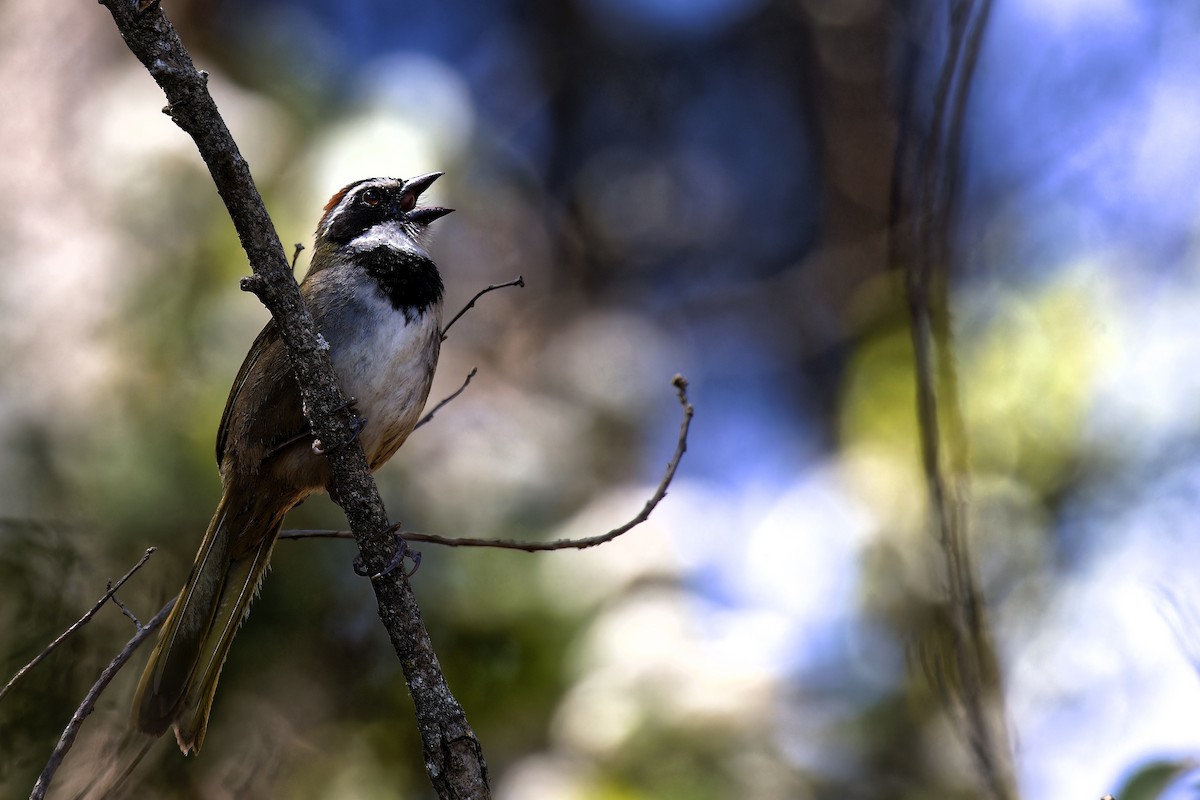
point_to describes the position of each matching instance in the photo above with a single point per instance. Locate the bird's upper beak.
(417, 185)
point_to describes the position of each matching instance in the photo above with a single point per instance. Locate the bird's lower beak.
(428, 214)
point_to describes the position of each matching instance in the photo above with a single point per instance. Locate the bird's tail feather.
(180, 679)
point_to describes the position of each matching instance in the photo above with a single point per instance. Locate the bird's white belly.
(387, 369)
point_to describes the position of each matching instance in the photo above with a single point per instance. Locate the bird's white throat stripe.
(387, 234)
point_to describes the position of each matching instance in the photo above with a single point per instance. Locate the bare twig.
(445, 400)
(95, 609)
(453, 757)
(518, 281)
(126, 610)
(680, 384)
(89, 701)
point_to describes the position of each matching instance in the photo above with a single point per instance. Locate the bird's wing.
(275, 388)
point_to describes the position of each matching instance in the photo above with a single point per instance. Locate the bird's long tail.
(180, 680)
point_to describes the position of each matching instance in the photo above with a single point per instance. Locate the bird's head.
(379, 211)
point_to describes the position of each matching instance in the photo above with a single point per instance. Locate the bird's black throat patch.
(409, 281)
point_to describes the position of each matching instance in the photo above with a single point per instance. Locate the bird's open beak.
(417, 185)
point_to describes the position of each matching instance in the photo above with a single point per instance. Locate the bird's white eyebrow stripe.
(350, 194)
(348, 197)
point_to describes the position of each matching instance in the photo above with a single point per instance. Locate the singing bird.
(376, 297)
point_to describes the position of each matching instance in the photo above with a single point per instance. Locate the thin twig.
(62, 637)
(938, 245)
(447, 399)
(976, 655)
(925, 257)
(89, 701)
(680, 384)
(518, 281)
(126, 610)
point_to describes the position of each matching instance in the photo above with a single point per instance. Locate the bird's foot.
(357, 424)
(403, 551)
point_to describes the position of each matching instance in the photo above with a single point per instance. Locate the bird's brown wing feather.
(265, 381)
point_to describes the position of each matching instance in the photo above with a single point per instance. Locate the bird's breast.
(385, 360)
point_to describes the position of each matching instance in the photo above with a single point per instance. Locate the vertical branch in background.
(925, 192)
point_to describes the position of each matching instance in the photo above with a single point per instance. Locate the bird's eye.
(407, 201)
(372, 197)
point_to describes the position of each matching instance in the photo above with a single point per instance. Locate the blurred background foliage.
(697, 187)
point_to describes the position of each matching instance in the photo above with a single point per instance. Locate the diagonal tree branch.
(453, 756)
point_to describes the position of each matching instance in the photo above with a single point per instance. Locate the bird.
(376, 298)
